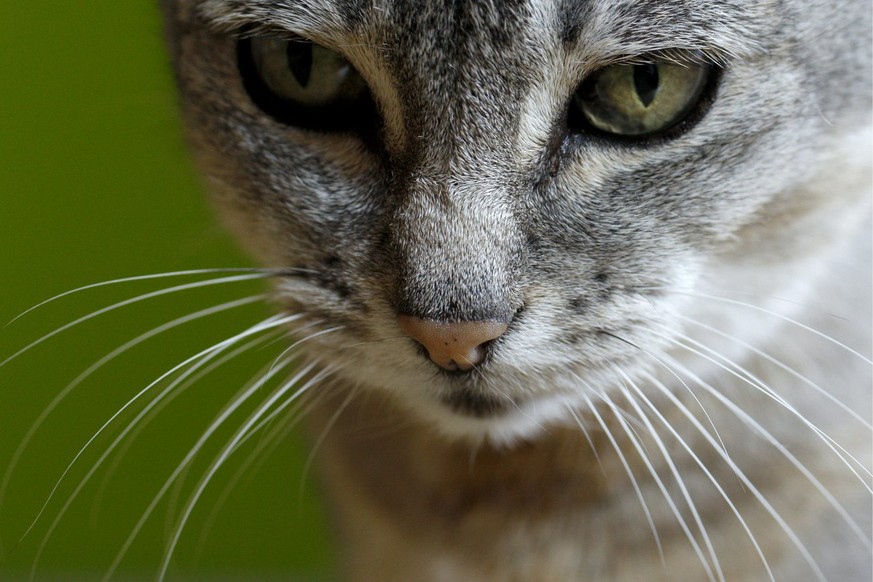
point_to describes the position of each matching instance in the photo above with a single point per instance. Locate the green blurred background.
(96, 185)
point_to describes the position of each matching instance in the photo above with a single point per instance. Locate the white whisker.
(225, 453)
(368, 342)
(630, 474)
(702, 466)
(746, 418)
(99, 364)
(214, 425)
(681, 382)
(261, 272)
(784, 367)
(660, 484)
(759, 296)
(253, 464)
(177, 389)
(753, 381)
(804, 552)
(321, 437)
(309, 337)
(587, 436)
(326, 372)
(257, 378)
(676, 475)
(203, 356)
(783, 318)
(125, 303)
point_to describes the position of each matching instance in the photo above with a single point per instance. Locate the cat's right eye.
(300, 83)
(639, 99)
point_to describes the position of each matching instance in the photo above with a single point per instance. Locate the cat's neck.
(378, 443)
(412, 505)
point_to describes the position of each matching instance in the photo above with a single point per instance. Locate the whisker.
(804, 552)
(214, 425)
(226, 451)
(364, 343)
(127, 302)
(292, 346)
(268, 418)
(755, 382)
(754, 295)
(783, 318)
(676, 475)
(702, 466)
(586, 434)
(309, 337)
(630, 474)
(499, 390)
(190, 272)
(784, 367)
(321, 438)
(203, 356)
(173, 393)
(746, 418)
(644, 457)
(242, 436)
(258, 377)
(681, 381)
(252, 465)
(22, 446)
(327, 372)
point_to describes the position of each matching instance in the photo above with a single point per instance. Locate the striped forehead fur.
(721, 30)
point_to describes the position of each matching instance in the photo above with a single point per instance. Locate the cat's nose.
(453, 346)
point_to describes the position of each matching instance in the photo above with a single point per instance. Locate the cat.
(579, 269)
(581, 288)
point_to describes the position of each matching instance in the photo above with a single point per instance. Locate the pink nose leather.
(453, 346)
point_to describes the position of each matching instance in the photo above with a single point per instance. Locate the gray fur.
(473, 203)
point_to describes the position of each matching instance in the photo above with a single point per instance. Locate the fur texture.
(671, 366)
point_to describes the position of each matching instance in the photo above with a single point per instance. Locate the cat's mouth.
(468, 402)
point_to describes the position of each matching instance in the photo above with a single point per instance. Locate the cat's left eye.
(639, 100)
(304, 84)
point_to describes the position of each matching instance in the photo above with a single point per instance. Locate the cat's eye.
(301, 83)
(639, 99)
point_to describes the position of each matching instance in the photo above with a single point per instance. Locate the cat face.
(570, 174)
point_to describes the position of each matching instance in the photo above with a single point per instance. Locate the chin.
(500, 422)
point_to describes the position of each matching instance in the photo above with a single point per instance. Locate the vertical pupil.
(300, 61)
(646, 82)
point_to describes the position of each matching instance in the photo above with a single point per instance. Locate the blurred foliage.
(96, 185)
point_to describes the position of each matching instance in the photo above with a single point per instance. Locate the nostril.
(453, 346)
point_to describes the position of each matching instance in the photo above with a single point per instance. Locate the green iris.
(640, 99)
